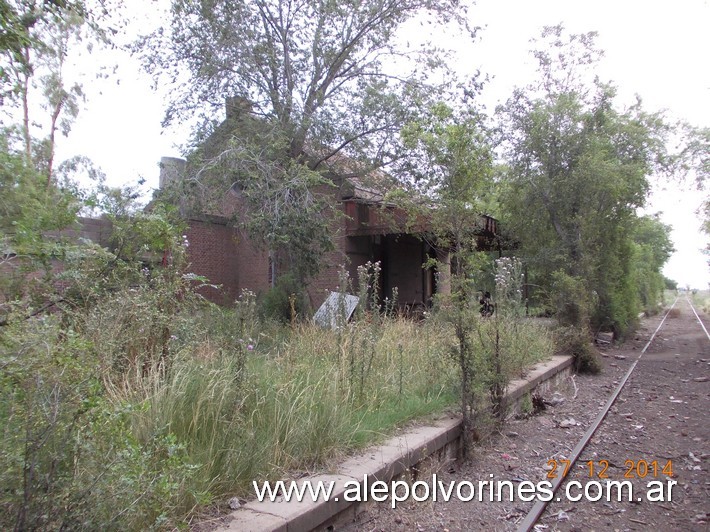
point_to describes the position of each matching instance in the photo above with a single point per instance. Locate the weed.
(576, 341)
(526, 405)
(148, 402)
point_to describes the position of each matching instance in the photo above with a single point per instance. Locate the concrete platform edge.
(385, 462)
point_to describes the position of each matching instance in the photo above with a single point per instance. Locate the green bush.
(670, 284)
(125, 425)
(571, 299)
(68, 455)
(577, 342)
(284, 302)
(135, 401)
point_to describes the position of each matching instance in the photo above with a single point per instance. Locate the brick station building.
(370, 230)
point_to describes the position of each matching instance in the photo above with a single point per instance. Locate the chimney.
(237, 106)
(171, 169)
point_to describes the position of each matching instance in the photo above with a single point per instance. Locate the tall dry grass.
(302, 396)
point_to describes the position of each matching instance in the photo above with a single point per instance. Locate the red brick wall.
(328, 279)
(225, 257)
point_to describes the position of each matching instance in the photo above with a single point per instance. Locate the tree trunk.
(26, 107)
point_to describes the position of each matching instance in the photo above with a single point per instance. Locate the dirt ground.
(661, 416)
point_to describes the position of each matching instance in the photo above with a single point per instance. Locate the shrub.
(136, 401)
(670, 284)
(68, 456)
(577, 342)
(571, 300)
(285, 301)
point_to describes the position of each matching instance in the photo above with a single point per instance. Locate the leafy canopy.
(314, 90)
(324, 72)
(579, 168)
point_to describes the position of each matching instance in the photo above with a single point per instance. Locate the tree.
(578, 169)
(14, 35)
(36, 38)
(322, 70)
(34, 46)
(323, 91)
(652, 248)
(451, 163)
(694, 155)
(695, 159)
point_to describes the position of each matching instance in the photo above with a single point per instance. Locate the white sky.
(655, 49)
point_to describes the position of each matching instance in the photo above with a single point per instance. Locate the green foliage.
(578, 170)
(135, 328)
(281, 203)
(309, 98)
(30, 219)
(36, 40)
(47, 387)
(285, 301)
(694, 158)
(492, 350)
(526, 405)
(291, 401)
(371, 306)
(701, 299)
(14, 35)
(571, 300)
(450, 160)
(577, 342)
(452, 164)
(110, 325)
(27, 210)
(316, 71)
(509, 343)
(136, 401)
(68, 457)
(670, 284)
(651, 249)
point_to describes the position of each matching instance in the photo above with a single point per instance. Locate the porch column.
(443, 284)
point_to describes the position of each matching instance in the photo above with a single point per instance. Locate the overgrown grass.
(297, 404)
(128, 417)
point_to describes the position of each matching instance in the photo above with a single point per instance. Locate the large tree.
(322, 83)
(330, 74)
(579, 169)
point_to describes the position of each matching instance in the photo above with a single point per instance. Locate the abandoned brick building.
(370, 230)
(226, 256)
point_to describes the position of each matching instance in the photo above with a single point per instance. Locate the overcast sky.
(655, 49)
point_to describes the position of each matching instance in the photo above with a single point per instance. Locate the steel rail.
(698, 317)
(532, 517)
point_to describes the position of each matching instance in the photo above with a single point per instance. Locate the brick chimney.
(237, 106)
(171, 168)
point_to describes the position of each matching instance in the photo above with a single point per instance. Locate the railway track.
(529, 521)
(648, 407)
